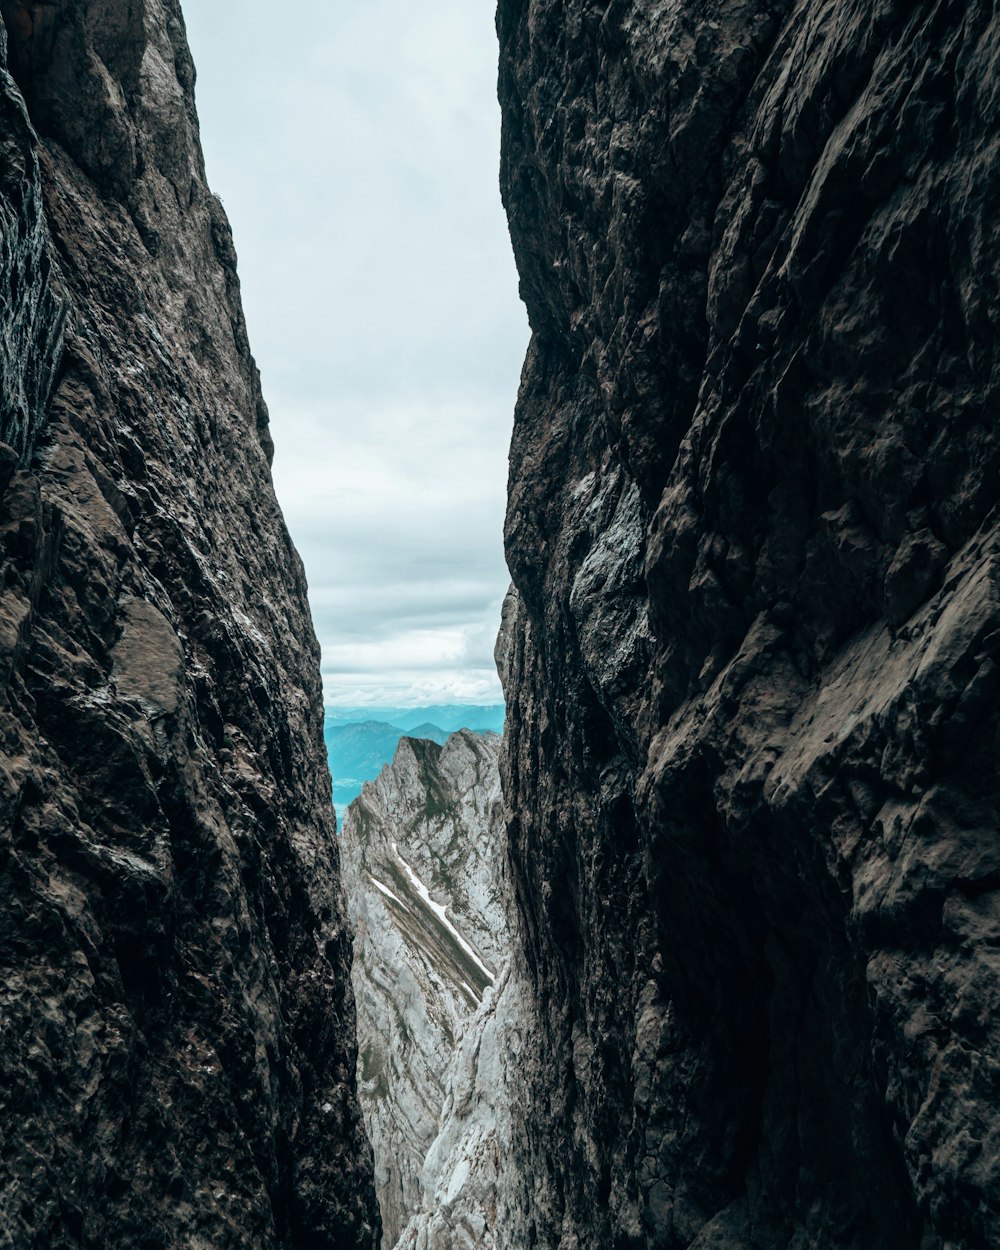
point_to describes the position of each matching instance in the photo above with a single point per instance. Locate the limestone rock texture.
(472, 1166)
(753, 690)
(177, 1054)
(438, 1006)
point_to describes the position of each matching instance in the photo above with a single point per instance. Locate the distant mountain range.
(449, 716)
(361, 741)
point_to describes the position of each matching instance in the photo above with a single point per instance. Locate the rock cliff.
(752, 699)
(437, 1004)
(176, 1024)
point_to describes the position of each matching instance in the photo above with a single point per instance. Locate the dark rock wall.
(31, 310)
(177, 1046)
(752, 696)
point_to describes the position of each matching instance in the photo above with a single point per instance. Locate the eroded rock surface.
(438, 1006)
(752, 701)
(176, 1022)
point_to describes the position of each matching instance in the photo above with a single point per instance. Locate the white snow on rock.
(441, 911)
(379, 885)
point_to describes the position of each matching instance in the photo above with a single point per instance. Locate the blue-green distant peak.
(360, 741)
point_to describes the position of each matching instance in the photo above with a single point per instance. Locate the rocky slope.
(176, 1025)
(437, 1007)
(752, 701)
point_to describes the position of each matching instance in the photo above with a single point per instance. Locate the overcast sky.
(355, 146)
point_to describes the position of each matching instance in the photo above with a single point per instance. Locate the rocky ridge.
(437, 1004)
(752, 692)
(177, 1046)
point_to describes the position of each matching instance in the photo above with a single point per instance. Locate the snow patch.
(441, 912)
(386, 891)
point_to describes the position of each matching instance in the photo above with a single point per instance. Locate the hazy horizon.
(339, 710)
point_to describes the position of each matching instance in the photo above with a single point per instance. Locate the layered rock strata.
(176, 1023)
(437, 1005)
(752, 755)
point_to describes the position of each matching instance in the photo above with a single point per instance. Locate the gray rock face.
(471, 1169)
(752, 698)
(438, 1007)
(176, 1024)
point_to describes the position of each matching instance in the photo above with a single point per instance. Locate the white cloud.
(356, 150)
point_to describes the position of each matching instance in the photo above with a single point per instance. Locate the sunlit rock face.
(437, 1001)
(752, 697)
(177, 1047)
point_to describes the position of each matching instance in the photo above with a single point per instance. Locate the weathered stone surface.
(437, 1004)
(752, 755)
(31, 312)
(176, 1024)
(472, 1167)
